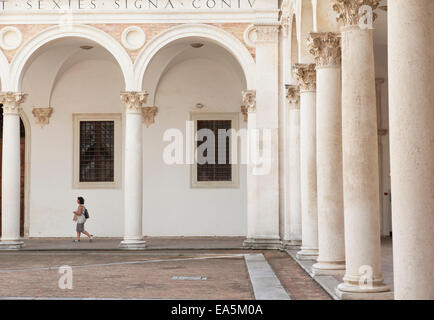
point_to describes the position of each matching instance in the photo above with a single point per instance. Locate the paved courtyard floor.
(170, 268)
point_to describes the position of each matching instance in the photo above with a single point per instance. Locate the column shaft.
(293, 216)
(11, 171)
(306, 76)
(360, 161)
(133, 189)
(263, 221)
(331, 242)
(411, 70)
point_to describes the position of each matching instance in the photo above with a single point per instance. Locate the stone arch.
(212, 33)
(4, 71)
(75, 31)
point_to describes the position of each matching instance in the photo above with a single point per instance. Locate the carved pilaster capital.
(352, 12)
(293, 96)
(267, 33)
(285, 23)
(245, 113)
(306, 76)
(326, 49)
(134, 101)
(12, 102)
(42, 115)
(148, 115)
(249, 100)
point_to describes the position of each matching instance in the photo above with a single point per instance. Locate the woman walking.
(80, 219)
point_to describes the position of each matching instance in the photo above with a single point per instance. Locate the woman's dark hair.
(81, 200)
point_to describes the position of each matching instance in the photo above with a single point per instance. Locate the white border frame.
(117, 118)
(235, 183)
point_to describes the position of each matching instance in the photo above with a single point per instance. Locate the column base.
(291, 244)
(329, 268)
(262, 244)
(349, 292)
(11, 245)
(132, 244)
(307, 254)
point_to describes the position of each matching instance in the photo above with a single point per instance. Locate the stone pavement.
(329, 283)
(170, 268)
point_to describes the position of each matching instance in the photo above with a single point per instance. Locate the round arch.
(65, 31)
(4, 71)
(212, 33)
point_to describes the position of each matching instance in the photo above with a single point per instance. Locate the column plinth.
(360, 153)
(11, 174)
(326, 49)
(306, 76)
(133, 189)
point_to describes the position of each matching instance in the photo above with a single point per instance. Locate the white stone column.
(263, 219)
(306, 76)
(411, 92)
(11, 170)
(292, 234)
(326, 49)
(133, 188)
(360, 154)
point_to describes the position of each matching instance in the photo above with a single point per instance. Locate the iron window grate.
(96, 151)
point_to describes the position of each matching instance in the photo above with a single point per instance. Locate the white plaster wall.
(90, 86)
(170, 206)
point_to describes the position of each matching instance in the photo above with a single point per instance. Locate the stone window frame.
(235, 183)
(76, 119)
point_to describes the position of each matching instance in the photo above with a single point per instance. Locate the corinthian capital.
(326, 49)
(134, 101)
(12, 101)
(352, 12)
(267, 33)
(293, 96)
(306, 76)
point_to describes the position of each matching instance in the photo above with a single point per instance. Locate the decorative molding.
(349, 11)
(133, 38)
(10, 38)
(134, 101)
(250, 36)
(11, 102)
(326, 49)
(245, 113)
(42, 115)
(148, 115)
(267, 33)
(306, 76)
(293, 96)
(249, 100)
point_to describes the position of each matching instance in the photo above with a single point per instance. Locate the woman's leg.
(78, 235)
(86, 233)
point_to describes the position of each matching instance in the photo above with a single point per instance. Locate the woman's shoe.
(91, 238)
(75, 240)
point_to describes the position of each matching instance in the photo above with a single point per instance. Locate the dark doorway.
(23, 152)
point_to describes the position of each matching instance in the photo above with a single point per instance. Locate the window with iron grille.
(217, 170)
(216, 150)
(96, 151)
(97, 161)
